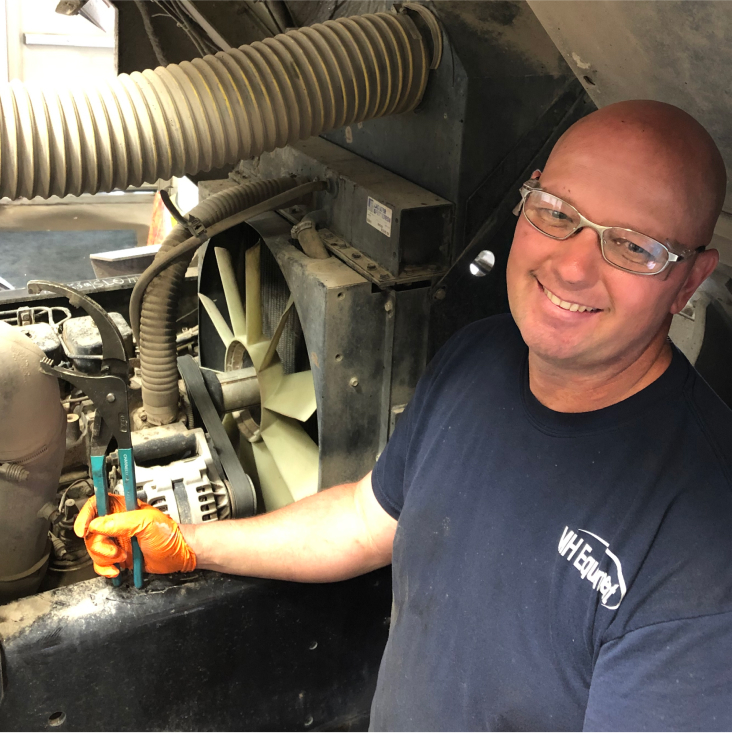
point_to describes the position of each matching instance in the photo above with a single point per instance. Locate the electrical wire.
(204, 25)
(188, 25)
(149, 30)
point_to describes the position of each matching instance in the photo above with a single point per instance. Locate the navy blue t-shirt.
(556, 571)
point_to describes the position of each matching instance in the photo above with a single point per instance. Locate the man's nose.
(577, 260)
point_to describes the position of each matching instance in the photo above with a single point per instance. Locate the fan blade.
(274, 489)
(253, 295)
(293, 451)
(219, 322)
(272, 348)
(295, 396)
(231, 292)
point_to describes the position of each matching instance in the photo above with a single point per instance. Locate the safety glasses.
(625, 249)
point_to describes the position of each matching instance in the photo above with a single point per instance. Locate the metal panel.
(416, 228)
(344, 322)
(673, 51)
(200, 651)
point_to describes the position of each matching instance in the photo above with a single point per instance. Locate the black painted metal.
(460, 298)
(201, 651)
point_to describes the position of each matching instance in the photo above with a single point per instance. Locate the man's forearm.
(319, 539)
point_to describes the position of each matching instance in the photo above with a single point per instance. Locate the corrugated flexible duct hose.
(199, 115)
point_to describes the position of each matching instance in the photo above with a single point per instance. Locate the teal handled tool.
(100, 439)
(108, 391)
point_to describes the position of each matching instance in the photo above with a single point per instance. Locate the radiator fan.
(285, 455)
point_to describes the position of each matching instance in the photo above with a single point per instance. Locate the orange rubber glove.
(109, 539)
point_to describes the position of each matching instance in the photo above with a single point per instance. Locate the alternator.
(188, 489)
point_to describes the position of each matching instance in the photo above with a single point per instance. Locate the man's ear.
(536, 174)
(701, 268)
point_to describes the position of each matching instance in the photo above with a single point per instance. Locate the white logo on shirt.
(606, 584)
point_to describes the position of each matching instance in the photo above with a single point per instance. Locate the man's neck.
(565, 390)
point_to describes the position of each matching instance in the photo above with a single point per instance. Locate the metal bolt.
(388, 306)
(308, 721)
(111, 397)
(440, 294)
(371, 266)
(353, 381)
(356, 255)
(313, 645)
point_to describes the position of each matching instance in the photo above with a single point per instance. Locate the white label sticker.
(378, 216)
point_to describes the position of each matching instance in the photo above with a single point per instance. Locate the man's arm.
(335, 534)
(673, 676)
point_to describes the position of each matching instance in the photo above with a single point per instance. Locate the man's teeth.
(574, 307)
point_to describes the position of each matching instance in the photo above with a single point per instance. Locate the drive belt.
(243, 497)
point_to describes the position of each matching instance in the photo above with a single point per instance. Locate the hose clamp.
(301, 227)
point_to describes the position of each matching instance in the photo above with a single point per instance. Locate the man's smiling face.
(573, 308)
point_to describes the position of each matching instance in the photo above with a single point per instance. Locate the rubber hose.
(154, 299)
(159, 307)
(309, 239)
(195, 116)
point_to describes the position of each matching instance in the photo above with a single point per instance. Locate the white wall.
(52, 65)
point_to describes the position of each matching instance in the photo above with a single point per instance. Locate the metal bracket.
(371, 270)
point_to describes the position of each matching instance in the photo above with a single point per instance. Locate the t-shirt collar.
(669, 384)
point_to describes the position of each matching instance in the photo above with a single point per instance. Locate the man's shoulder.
(687, 513)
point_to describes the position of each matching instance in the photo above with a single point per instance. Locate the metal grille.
(291, 349)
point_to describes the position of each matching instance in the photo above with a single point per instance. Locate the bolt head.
(388, 306)
(440, 294)
(353, 381)
(111, 397)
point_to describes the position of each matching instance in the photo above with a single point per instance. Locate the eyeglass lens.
(623, 248)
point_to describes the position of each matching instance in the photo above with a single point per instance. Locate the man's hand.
(108, 539)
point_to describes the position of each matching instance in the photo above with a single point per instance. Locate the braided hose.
(195, 116)
(158, 362)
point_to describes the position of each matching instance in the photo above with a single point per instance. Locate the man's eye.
(553, 215)
(633, 248)
(633, 251)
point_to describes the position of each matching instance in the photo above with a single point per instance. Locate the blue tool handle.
(129, 484)
(99, 479)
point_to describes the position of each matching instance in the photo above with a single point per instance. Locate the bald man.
(557, 499)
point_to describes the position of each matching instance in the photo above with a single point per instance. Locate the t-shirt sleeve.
(673, 676)
(387, 479)
(389, 475)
